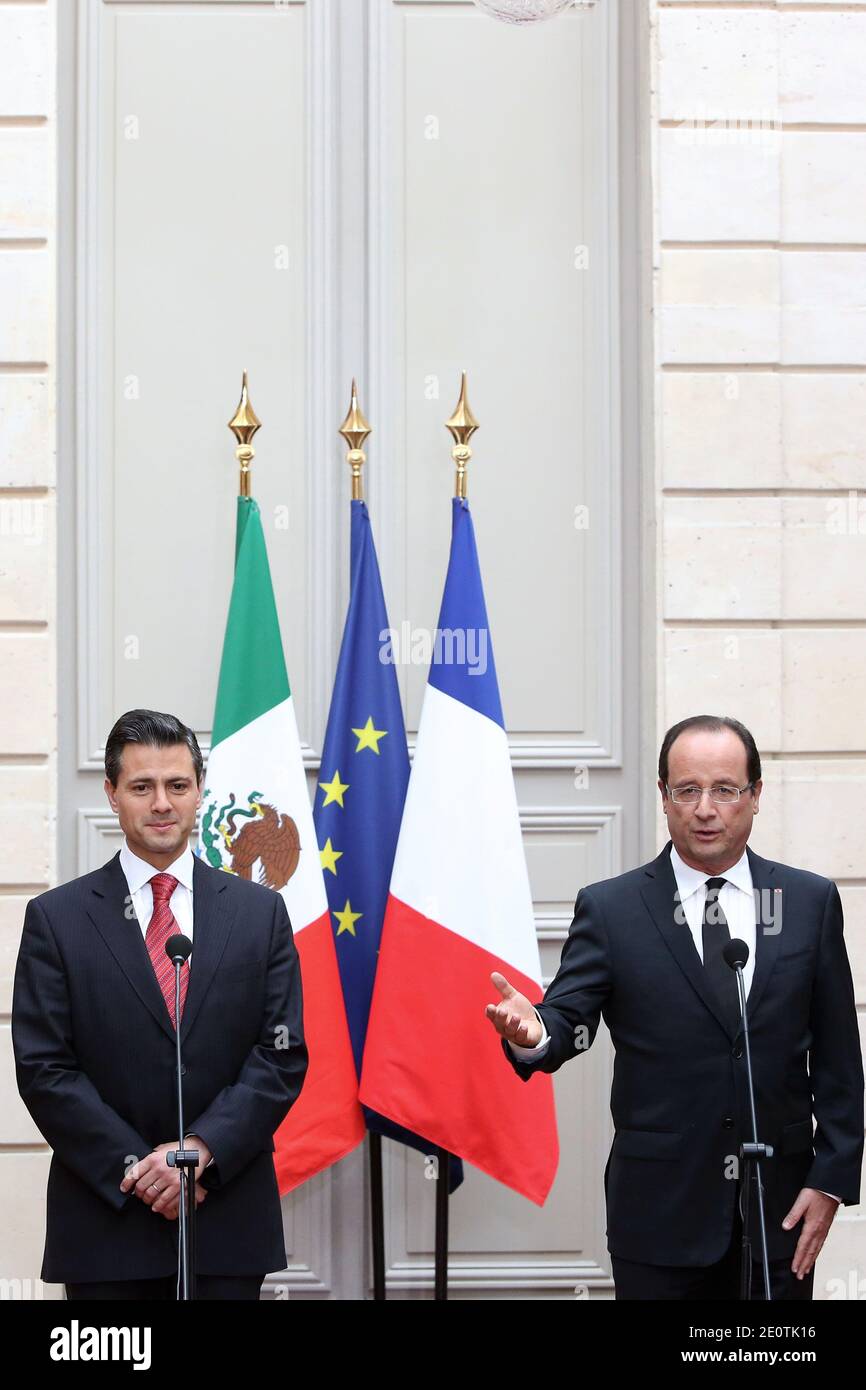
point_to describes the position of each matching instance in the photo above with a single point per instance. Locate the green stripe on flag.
(253, 676)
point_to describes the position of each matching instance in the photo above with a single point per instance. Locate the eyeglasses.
(722, 792)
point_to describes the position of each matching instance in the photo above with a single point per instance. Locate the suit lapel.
(659, 892)
(212, 924)
(767, 942)
(111, 911)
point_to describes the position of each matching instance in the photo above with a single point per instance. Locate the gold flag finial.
(243, 425)
(355, 430)
(462, 425)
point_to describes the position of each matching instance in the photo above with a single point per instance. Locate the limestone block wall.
(759, 135)
(28, 693)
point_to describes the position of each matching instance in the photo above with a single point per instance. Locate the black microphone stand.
(751, 1155)
(186, 1160)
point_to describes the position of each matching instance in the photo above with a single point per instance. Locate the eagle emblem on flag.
(266, 837)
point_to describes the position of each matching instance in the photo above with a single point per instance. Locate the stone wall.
(28, 566)
(759, 137)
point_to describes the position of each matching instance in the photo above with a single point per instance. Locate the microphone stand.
(186, 1160)
(751, 1155)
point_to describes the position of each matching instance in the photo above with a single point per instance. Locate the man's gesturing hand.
(514, 1018)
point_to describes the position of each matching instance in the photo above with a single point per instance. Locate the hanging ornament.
(529, 11)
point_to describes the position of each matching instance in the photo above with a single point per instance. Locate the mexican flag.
(257, 821)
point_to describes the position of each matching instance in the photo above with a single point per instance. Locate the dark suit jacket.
(679, 1098)
(94, 1053)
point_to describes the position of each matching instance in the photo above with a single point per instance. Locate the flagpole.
(443, 1174)
(462, 425)
(355, 430)
(243, 426)
(377, 1216)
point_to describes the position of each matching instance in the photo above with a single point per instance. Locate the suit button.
(728, 1122)
(183, 1068)
(738, 1052)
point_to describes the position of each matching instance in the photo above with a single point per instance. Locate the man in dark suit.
(94, 1038)
(645, 952)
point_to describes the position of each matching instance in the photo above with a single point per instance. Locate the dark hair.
(150, 727)
(712, 724)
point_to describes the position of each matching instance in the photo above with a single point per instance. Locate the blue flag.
(359, 801)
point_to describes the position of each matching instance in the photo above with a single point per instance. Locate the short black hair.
(149, 726)
(712, 724)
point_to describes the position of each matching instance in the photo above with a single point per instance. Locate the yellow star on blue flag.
(369, 736)
(347, 919)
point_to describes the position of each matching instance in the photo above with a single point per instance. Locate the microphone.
(178, 948)
(736, 952)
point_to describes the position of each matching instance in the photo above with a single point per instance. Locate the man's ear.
(110, 793)
(661, 787)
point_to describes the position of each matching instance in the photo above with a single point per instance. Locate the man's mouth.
(707, 834)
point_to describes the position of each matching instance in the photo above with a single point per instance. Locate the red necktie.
(161, 926)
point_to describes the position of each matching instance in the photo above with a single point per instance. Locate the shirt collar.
(138, 872)
(689, 880)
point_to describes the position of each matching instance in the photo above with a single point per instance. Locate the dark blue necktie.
(716, 934)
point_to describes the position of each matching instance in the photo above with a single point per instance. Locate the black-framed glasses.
(723, 792)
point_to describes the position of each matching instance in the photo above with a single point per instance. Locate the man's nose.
(160, 799)
(706, 806)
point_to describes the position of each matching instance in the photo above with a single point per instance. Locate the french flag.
(460, 907)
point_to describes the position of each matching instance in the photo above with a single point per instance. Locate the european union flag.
(359, 800)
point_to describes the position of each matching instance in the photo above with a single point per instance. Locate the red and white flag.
(459, 907)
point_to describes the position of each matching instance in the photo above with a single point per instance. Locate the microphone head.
(178, 947)
(736, 952)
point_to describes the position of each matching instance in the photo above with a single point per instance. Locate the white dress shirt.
(737, 901)
(138, 874)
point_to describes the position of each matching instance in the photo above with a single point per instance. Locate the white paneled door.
(395, 190)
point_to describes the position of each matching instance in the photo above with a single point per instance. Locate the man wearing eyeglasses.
(646, 952)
